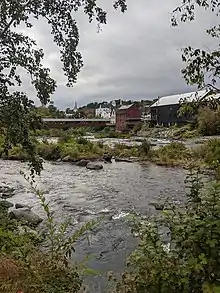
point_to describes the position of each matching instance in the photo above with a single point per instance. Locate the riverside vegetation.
(72, 147)
(177, 251)
(191, 263)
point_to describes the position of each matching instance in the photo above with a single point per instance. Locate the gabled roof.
(125, 107)
(175, 99)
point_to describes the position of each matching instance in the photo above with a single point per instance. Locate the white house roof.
(125, 107)
(175, 99)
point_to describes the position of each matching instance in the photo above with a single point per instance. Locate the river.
(114, 192)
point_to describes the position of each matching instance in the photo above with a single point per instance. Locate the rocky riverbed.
(113, 192)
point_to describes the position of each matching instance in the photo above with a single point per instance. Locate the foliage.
(20, 53)
(145, 148)
(175, 153)
(26, 267)
(208, 121)
(112, 134)
(137, 127)
(124, 151)
(185, 132)
(178, 251)
(201, 65)
(48, 151)
(209, 152)
(17, 153)
(79, 148)
(50, 111)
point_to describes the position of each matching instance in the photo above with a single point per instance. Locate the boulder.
(107, 158)
(26, 215)
(94, 166)
(123, 160)
(82, 163)
(158, 206)
(6, 191)
(20, 206)
(5, 204)
(67, 159)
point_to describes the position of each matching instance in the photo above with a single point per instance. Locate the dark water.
(114, 192)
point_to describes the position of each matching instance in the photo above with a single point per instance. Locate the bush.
(144, 148)
(70, 150)
(209, 152)
(179, 251)
(137, 127)
(208, 121)
(48, 151)
(175, 153)
(82, 140)
(78, 131)
(17, 153)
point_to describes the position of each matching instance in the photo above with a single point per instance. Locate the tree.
(202, 65)
(18, 51)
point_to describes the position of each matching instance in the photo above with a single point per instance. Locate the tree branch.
(13, 19)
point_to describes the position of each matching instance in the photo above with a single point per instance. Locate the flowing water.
(114, 192)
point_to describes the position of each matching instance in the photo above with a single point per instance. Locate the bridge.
(66, 123)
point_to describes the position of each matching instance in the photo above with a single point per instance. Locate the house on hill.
(127, 116)
(106, 113)
(165, 110)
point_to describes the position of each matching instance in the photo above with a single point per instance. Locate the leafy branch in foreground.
(179, 251)
(41, 260)
(202, 65)
(19, 54)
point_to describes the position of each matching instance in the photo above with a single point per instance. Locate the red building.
(127, 116)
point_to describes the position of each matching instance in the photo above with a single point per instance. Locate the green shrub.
(208, 121)
(48, 151)
(78, 131)
(144, 148)
(17, 153)
(175, 153)
(82, 140)
(65, 137)
(70, 150)
(209, 152)
(137, 127)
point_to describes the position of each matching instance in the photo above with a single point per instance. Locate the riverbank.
(81, 151)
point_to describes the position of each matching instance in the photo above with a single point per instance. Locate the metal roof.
(125, 107)
(175, 99)
(75, 120)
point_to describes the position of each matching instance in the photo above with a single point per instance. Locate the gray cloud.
(136, 56)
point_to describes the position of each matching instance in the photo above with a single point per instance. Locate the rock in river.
(158, 206)
(82, 163)
(123, 160)
(5, 204)
(107, 158)
(94, 166)
(6, 191)
(20, 206)
(67, 159)
(26, 215)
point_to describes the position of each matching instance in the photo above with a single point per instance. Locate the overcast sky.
(136, 56)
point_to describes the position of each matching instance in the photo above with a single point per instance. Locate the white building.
(106, 113)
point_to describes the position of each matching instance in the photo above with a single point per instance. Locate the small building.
(106, 113)
(103, 112)
(165, 110)
(127, 116)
